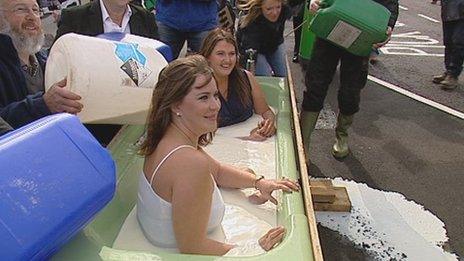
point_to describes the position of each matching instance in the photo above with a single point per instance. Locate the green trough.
(103, 230)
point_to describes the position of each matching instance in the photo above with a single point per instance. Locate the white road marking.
(403, 8)
(429, 18)
(412, 38)
(404, 50)
(414, 46)
(414, 54)
(418, 98)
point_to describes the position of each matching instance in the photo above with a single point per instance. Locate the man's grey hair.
(4, 25)
(30, 45)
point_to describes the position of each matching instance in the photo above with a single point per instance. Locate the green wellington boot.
(340, 149)
(308, 122)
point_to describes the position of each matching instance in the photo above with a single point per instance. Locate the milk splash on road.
(387, 225)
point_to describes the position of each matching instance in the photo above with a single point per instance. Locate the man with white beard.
(22, 97)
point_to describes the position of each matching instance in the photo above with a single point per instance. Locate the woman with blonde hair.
(179, 202)
(261, 29)
(239, 92)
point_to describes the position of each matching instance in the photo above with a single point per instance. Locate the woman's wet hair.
(238, 79)
(174, 83)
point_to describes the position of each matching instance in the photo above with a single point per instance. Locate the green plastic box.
(352, 24)
(307, 37)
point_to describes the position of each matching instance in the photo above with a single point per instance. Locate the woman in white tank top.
(179, 201)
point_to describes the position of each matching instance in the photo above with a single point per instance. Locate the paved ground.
(399, 144)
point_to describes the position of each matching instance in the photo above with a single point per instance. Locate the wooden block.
(341, 203)
(321, 183)
(323, 194)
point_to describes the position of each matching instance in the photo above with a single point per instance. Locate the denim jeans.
(176, 39)
(275, 62)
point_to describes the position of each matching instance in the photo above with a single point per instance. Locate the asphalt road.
(397, 143)
(415, 54)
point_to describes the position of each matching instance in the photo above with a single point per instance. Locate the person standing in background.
(261, 29)
(179, 21)
(298, 20)
(452, 15)
(104, 16)
(353, 77)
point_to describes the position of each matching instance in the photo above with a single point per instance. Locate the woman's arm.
(231, 177)
(267, 126)
(191, 206)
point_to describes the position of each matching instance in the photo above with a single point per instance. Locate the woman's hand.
(266, 127)
(271, 238)
(254, 136)
(267, 186)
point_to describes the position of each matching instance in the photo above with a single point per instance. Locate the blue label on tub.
(126, 51)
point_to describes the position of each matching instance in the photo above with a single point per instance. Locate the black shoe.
(439, 78)
(449, 83)
(295, 58)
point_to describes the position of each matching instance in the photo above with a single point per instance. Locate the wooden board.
(323, 194)
(323, 190)
(341, 202)
(314, 235)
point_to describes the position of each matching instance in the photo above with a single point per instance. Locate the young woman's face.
(271, 9)
(200, 107)
(223, 58)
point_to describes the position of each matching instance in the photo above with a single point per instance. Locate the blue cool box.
(54, 177)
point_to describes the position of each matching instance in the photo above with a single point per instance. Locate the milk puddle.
(387, 225)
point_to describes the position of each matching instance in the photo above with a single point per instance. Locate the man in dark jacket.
(353, 77)
(452, 15)
(22, 97)
(113, 16)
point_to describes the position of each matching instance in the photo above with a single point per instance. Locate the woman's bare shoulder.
(190, 163)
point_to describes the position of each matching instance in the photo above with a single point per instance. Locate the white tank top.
(155, 214)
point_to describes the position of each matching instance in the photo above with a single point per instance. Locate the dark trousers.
(322, 66)
(297, 20)
(453, 39)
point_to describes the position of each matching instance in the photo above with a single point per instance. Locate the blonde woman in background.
(261, 28)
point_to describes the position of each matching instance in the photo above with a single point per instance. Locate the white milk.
(243, 223)
(114, 79)
(387, 225)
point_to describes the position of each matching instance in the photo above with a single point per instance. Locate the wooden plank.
(341, 203)
(323, 194)
(314, 234)
(321, 183)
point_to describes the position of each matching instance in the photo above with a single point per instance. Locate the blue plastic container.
(161, 47)
(54, 177)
